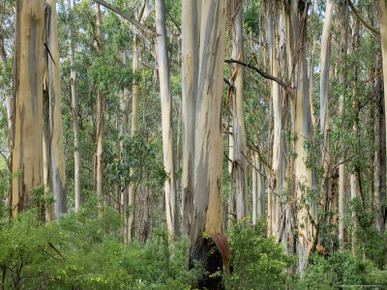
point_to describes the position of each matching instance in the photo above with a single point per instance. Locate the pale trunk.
(260, 189)
(325, 64)
(135, 95)
(301, 125)
(343, 80)
(232, 198)
(324, 78)
(326, 181)
(74, 115)
(27, 154)
(124, 122)
(56, 149)
(190, 47)
(166, 116)
(239, 169)
(277, 172)
(208, 161)
(100, 122)
(254, 186)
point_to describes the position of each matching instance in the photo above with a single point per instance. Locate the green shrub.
(85, 251)
(258, 262)
(340, 269)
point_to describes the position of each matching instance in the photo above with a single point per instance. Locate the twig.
(252, 165)
(132, 20)
(262, 73)
(253, 148)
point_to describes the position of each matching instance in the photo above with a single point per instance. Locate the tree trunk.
(276, 180)
(167, 125)
(74, 112)
(99, 167)
(343, 10)
(239, 169)
(207, 216)
(135, 94)
(55, 133)
(254, 190)
(325, 64)
(295, 20)
(383, 34)
(124, 123)
(190, 50)
(27, 154)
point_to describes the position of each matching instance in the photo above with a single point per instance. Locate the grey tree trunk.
(239, 168)
(208, 140)
(99, 165)
(167, 124)
(190, 66)
(74, 112)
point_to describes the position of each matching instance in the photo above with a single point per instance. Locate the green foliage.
(138, 156)
(108, 75)
(84, 251)
(258, 262)
(340, 269)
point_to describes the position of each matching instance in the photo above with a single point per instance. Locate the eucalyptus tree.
(74, 108)
(191, 12)
(208, 142)
(99, 136)
(36, 153)
(295, 19)
(239, 168)
(27, 153)
(53, 150)
(167, 125)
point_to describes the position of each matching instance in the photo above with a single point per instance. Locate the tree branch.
(262, 73)
(141, 28)
(370, 27)
(253, 148)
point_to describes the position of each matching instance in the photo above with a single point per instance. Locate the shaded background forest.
(303, 187)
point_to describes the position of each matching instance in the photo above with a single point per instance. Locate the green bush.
(86, 251)
(340, 269)
(258, 262)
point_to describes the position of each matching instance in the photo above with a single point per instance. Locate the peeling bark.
(27, 154)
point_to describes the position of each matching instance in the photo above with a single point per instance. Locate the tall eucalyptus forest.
(236, 144)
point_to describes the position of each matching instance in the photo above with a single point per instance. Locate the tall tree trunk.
(99, 166)
(56, 150)
(74, 111)
(190, 49)
(167, 125)
(254, 190)
(343, 11)
(133, 133)
(383, 34)
(296, 19)
(207, 216)
(239, 168)
(276, 174)
(326, 180)
(124, 123)
(325, 64)
(27, 154)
